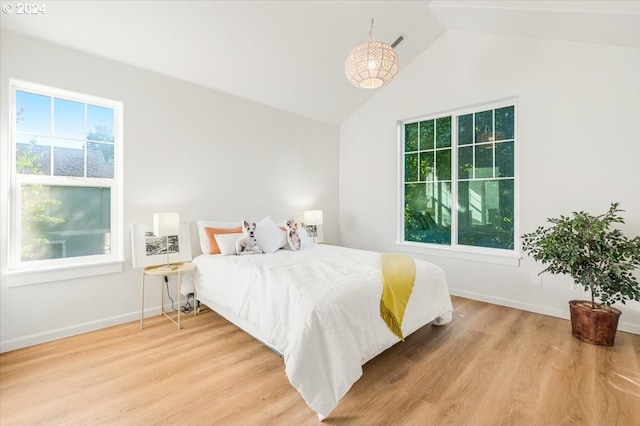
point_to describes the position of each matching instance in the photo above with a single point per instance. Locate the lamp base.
(167, 268)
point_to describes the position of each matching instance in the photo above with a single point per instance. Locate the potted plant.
(597, 257)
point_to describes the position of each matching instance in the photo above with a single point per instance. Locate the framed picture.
(149, 250)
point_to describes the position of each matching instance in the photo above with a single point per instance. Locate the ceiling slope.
(290, 54)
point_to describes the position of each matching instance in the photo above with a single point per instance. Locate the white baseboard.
(47, 336)
(59, 333)
(544, 310)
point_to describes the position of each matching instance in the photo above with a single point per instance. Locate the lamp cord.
(166, 283)
(187, 307)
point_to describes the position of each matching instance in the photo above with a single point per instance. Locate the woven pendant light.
(371, 64)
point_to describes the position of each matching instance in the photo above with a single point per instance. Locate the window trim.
(454, 250)
(18, 272)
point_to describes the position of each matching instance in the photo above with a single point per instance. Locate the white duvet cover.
(320, 308)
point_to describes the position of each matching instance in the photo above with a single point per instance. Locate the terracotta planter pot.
(596, 326)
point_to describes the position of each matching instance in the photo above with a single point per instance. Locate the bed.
(319, 307)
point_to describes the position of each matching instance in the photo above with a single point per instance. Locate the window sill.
(20, 278)
(480, 255)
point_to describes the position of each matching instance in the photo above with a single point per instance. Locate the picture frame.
(149, 250)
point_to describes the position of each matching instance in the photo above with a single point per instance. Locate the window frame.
(19, 272)
(455, 250)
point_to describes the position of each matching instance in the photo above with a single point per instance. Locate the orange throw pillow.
(214, 248)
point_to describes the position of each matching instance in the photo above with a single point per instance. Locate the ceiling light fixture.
(371, 64)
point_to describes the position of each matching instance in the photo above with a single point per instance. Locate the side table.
(161, 271)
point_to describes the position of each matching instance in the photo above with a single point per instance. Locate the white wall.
(202, 153)
(579, 108)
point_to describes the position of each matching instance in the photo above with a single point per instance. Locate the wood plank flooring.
(490, 365)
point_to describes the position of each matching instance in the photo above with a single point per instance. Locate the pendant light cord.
(371, 30)
(373, 14)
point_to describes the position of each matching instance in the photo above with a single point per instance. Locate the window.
(468, 157)
(65, 181)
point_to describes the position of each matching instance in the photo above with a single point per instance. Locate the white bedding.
(320, 308)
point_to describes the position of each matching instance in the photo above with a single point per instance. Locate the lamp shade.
(166, 224)
(313, 217)
(371, 64)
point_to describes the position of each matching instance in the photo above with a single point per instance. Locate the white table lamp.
(166, 225)
(312, 218)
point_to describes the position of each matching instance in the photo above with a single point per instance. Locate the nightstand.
(180, 268)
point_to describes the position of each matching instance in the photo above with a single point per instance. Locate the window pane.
(33, 155)
(443, 164)
(484, 126)
(411, 167)
(443, 132)
(33, 113)
(100, 160)
(426, 166)
(484, 146)
(68, 119)
(504, 159)
(484, 161)
(426, 134)
(68, 158)
(465, 162)
(427, 213)
(100, 123)
(64, 221)
(411, 137)
(504, 123)
(485, 213)
(465, 129)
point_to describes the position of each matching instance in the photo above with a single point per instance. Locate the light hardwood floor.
(490, 365)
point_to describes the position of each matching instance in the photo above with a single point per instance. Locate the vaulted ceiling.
(290, 54)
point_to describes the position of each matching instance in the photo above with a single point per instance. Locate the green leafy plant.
(36, 205)
(599, 258)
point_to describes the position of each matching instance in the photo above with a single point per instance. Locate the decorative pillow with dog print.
(293, 239)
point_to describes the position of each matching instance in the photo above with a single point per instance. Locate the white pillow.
(227, 243)
(269, 235)
(284, 233)
(304, 237)
(204, 239)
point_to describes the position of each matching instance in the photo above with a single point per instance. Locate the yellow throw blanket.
(398, 276)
